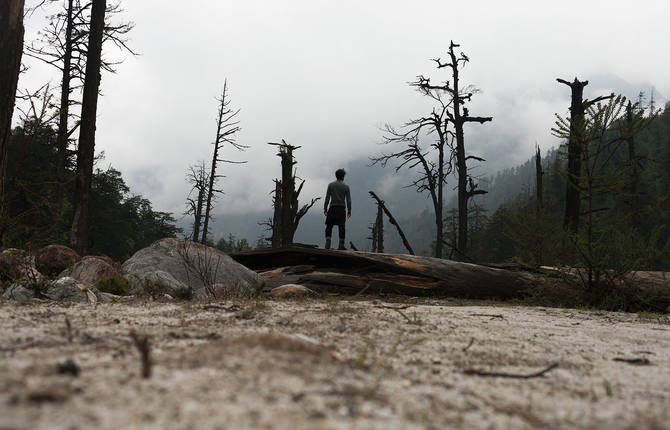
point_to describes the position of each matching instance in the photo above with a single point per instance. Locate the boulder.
(68, 289)
(53, 259)
(291, 291)
(182, 269)
(18, 265)
(108, 260)
(90, 270)
(18, 292)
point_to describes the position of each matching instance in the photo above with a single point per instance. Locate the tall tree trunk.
(11, 49)
(379, 230)
(634, 177)
(64, 112)
(198, 212)
(79, 234)
(276, 218)
(461, 167)
(212, 172)
(439, 218)
(572, 191)
(538, 180)
(287, 191)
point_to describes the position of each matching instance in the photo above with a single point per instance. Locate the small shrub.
(114, 285)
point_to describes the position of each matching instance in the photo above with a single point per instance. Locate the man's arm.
(326, 201)
(348, 195)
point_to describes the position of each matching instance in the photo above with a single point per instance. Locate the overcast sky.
(326, 75)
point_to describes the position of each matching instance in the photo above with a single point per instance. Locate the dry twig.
(472, 341)
(142, 344)
(638, 361)
(511, 375)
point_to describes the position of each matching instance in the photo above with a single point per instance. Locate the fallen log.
(350, 272)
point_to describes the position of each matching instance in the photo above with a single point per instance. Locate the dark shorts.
(336, 215)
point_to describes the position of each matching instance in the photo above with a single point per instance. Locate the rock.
(68, 289)
(179, 268)
(90, 270)
(158, 283)
(53, 259)
(18, 292)
(108, 260)
(290, 291)
(17, 264)
(106, 297)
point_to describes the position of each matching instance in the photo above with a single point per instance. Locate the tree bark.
(276, 217)
(362, 272)
(379, 230)
(575, 141)
(79, 234)
(634, 176)
(11, 49)
(287, 190)
(392, 220)
(64, 112)
(538, 179)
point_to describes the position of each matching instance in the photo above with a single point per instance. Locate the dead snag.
(392, 220)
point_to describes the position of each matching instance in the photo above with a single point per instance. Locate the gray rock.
(106, 297)
(53, 259)
(90, 270)
(68, 289)
(291, 291)
(18, 265)
(18, 292)
(177, 268)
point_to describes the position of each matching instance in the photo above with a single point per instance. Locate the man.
(337, 195)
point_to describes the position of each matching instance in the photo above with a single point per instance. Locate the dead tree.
(198, 178)
(287, 213)
(63, 45)
(277, 215)
(11, 49)
(432, 177)
(577, 124)
(86, 149)
(226, 127)
(392, 220)
(538, 179)
(373, 236)
(379, 228)
(634, 162)
(456, 98)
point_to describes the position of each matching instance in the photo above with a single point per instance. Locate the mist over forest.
(474, 165)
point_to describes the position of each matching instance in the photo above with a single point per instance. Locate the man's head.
(339, 174)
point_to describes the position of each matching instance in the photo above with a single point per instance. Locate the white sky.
(326, 74)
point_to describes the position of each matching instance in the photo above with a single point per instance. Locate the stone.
(90, 270)
(18, 292)
(68, 289)
(291, 291)
(18, 265)
(187, 269)
(53, 259)
(108, 260)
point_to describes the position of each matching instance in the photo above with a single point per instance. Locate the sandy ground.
(331, 364)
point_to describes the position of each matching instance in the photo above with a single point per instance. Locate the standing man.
(337, 195)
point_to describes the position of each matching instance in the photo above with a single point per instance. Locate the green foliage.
(121, 223)
(516, 231)
(232, 244)
(115, 285)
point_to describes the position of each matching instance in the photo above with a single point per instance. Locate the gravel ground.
(331, 364)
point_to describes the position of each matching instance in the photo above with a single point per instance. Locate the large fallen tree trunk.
(361, 272)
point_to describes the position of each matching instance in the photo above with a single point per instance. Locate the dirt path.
(331, 364)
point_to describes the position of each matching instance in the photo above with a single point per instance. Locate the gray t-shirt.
(338, 193)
